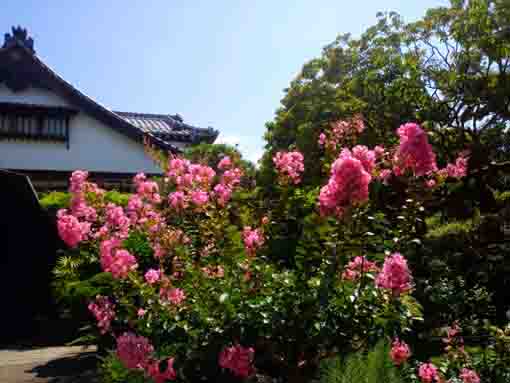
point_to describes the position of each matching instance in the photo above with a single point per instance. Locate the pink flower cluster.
(428, 373)
(347, 185)
(414, 151)
(104, 312)
(187, 175)
(116, 220)
(153, 371)
(78, 186)
(253, 239)
(366, 156)
(399, 352)
(289, 166)
(357, 267)
(194, 182)
(80, 209)
(238, 359)
(395, 275)
(75, 227)
(70, 229)
(456, 170)
(469, 376)
(147, 189)
(339, 132)
(134, 351)
(225, 163)
(214, 271)
(173, 295)
(178, 200)
(152, 276)
(119, 262)
(199, 197)
(384, 176)
(77, 181)
(230, 179)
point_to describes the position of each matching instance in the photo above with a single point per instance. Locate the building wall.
(92, 145)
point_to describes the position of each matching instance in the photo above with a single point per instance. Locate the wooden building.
(48, 128)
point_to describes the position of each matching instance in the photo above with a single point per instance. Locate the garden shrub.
(201, 277)
(55, 200)
(61, 200)
(375, 366)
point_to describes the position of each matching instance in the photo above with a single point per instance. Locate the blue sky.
(217, 63)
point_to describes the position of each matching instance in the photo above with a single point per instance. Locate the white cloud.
(229, 140)
(249, 151)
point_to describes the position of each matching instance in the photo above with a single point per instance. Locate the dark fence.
(28, 247)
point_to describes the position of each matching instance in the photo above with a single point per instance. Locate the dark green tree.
(449, 71)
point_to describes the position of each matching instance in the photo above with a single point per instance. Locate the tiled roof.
(168, 127)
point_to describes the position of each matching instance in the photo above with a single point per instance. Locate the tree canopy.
(449, 70)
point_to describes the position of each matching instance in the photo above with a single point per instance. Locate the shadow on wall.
(28, 245)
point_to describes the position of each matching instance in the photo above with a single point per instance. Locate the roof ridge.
(137, 114)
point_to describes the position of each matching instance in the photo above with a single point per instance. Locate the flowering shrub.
(455, 365)
(212, 280)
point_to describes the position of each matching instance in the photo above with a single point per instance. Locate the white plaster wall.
(93, 146)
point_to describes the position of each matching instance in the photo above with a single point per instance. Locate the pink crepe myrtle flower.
(430, 183)
(134, 351)
(117, 220)
(223, 194)
(70, 229)
(119, 262)
(178, 200)
(104, 312)
(213, 271)
(290, 166)
(80, 209)
(149, 190)
(202, 175)
(232, 177)
(414, 151)
(428, 373)
(225, 163)
(356, 267)
(159, 251)
(153, 371)
(141, 312)
(253, 239)
(177, 167)
(399, 352)
(469, 376)
(199, 197)
(384, 176)
(395, 275)
(139, 178)
(135, 203)
(352, 126)
(77, 181)
(322, 139)
(379, 151)
(238, 359)
(366, 156)
(174, 295)
(152, 276)
(456, 170)
(453, 334)
(347, 185)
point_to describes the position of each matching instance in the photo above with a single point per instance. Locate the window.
(35, 122)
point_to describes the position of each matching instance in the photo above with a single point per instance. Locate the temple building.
(48, 128)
